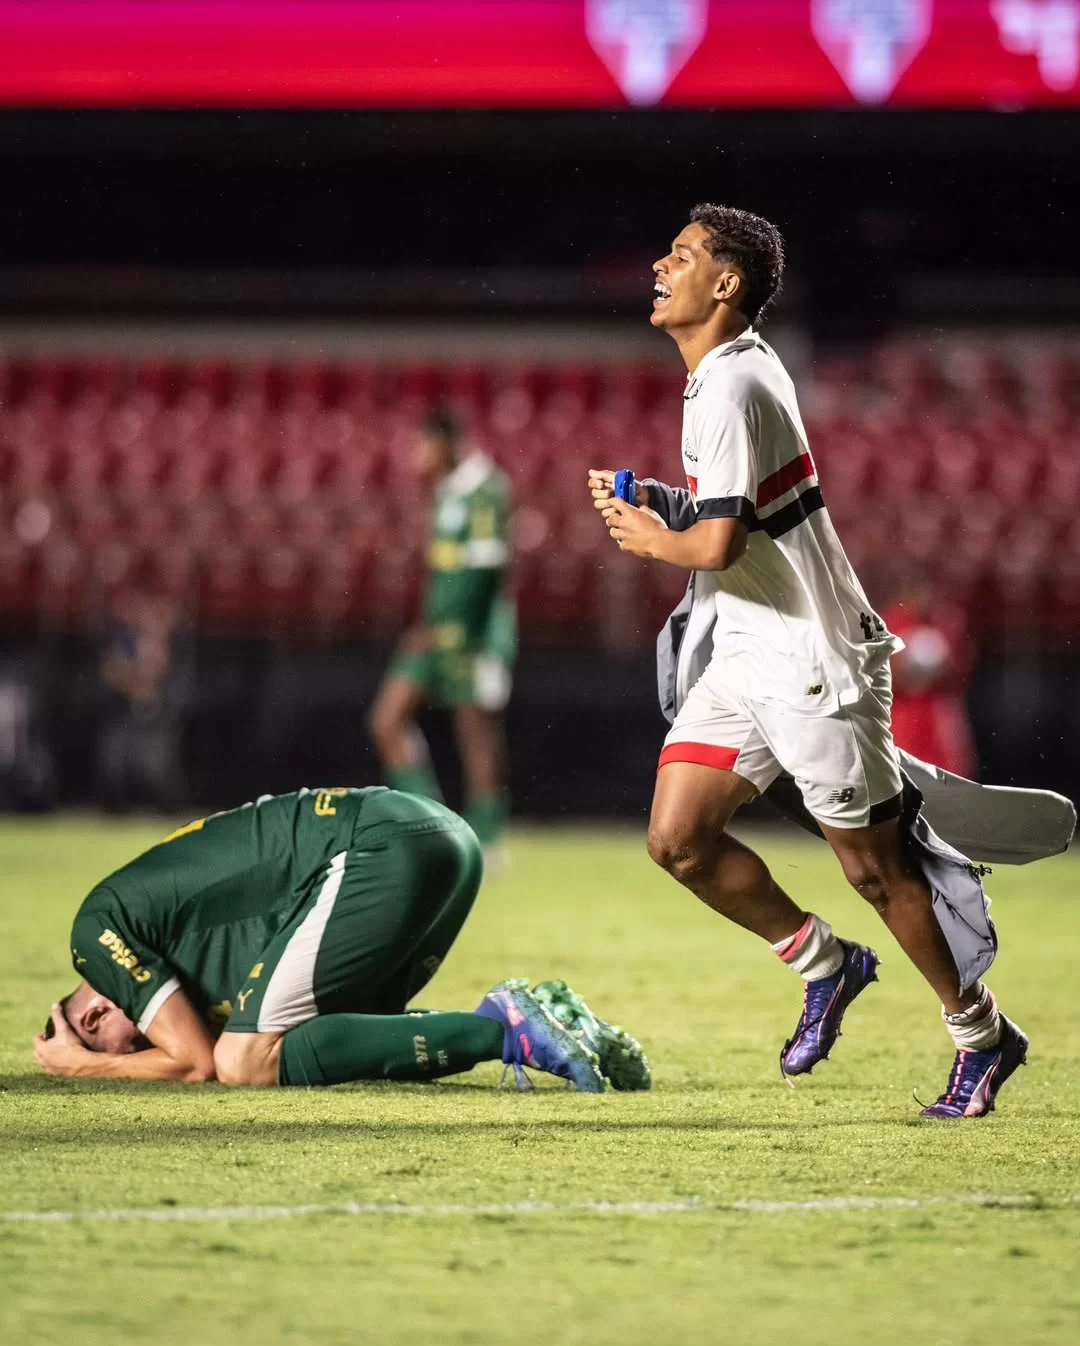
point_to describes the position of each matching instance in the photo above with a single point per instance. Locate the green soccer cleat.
(622, 1062)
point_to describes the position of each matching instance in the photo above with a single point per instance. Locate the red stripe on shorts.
(773, 487)
(703, 754)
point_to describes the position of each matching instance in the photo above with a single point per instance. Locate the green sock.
(342, 1047)
(414, 780)
(486, 815)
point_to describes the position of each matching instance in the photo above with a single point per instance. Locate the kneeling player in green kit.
(280, 943)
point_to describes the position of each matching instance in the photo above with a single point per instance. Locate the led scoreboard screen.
(540, 53)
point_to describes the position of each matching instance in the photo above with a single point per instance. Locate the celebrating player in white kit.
(784, 668)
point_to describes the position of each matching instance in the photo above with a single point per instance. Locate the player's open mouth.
(661, 293)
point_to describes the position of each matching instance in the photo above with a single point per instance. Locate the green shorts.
(453, 678)
(379, 922)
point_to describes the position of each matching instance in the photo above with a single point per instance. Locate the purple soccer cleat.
(533, 1038)
(823, 1009)
(977, 1076)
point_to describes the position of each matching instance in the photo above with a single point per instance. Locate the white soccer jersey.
(792, 623)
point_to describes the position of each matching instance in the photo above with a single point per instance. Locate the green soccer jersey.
(195, 911)
(467, 556)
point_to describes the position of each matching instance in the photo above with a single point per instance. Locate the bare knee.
(870, 884)
(872, 879)
(683, 854)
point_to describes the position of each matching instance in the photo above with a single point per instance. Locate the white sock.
(978, 1028)
(813, 951)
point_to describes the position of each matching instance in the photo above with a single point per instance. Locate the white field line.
(168, 1214)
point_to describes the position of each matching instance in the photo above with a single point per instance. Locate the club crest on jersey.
(871, 42)
(645, 43)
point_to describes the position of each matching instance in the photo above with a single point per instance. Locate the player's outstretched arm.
(182, 1050)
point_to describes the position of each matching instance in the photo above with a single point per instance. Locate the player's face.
(104, 1027)
(432, 458)
(688, 282)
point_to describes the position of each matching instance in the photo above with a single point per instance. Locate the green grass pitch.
(712, 1008)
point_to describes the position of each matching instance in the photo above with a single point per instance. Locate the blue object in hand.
(625, 486)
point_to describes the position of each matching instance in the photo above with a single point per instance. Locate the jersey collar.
(744, 341)
(469, 473)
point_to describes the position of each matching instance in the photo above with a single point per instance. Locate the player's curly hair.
(752, 244)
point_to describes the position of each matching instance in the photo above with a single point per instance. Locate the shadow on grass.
(29, 1085)
(531, 1124)
(518, 1130)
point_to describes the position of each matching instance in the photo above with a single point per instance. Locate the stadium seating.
(276, 496)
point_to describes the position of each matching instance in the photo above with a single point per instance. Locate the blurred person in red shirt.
(929, 710)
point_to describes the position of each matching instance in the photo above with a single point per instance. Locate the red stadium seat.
(281, 584)
(227, 589)
(468, 388)
(64, 583)
(293, 478)
(18, 576)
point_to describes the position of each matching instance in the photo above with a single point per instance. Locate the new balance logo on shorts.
(844, 796)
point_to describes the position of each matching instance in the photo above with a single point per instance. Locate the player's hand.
(635, 530)
(602, 486)
(63, 1053)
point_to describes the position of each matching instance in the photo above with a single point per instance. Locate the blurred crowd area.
(205, 560)
(276, 497)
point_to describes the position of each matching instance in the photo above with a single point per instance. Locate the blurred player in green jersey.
(461, 655)
(281, 943)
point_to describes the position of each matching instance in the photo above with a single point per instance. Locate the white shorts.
(845, 765)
